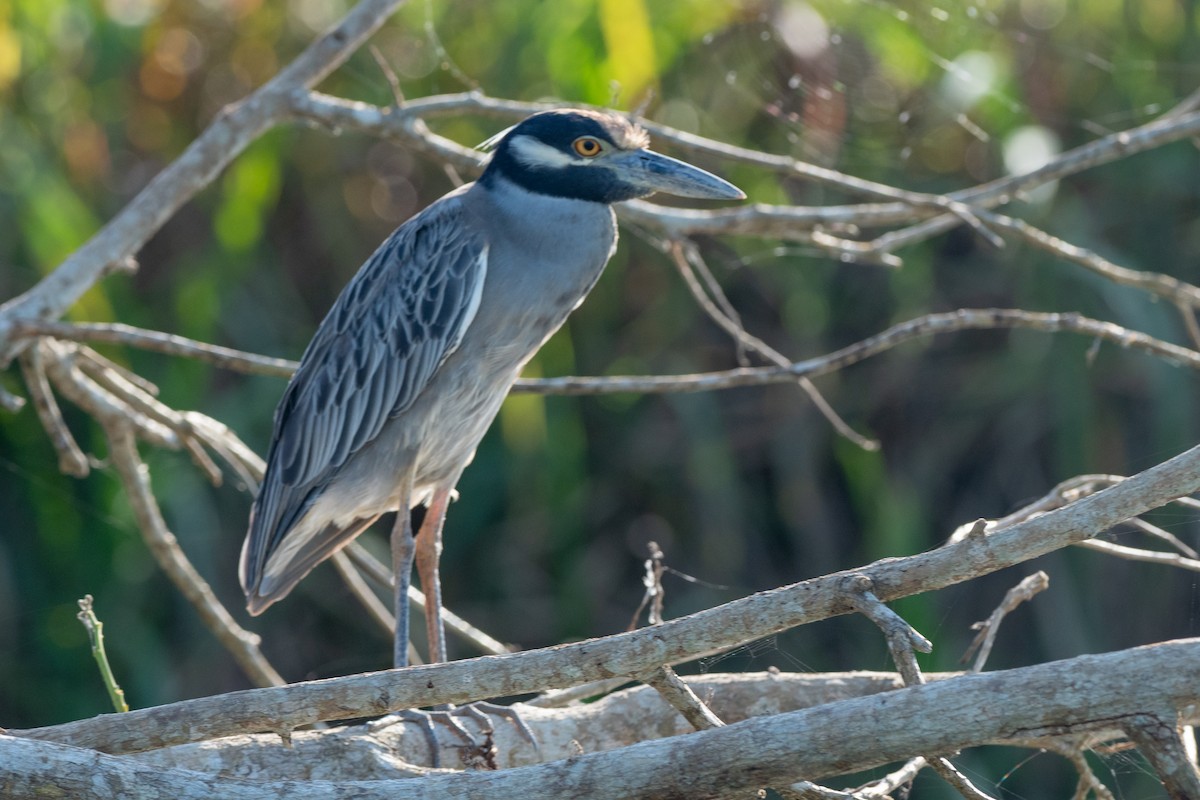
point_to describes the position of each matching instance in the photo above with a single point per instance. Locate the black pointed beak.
(655, 172)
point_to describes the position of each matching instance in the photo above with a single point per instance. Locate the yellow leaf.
(10, 56)
(630, 45)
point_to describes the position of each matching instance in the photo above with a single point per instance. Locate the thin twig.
(192, 430)
(929, 324)
(159, 342)
(902, 639)
(1030, 586)
(1138, 554)
(680, 696)
(10, 402)
(1073, 749)
(1188, 734)
(881, 789)
(687, 258)
(961, 783)
(233, 451)
(779, 222)
(1168, 128)
(68, 379)
(1158, 284)
(242, 644)
(143, 402)
(353, 579)
(1188, 315)
(653, 569)
(558, 698)
(1166, 536)
(892, 781)
(95, 632)
(807, 790)
(1066, 492)
(71, 460)
(389, 75)
(376, 609)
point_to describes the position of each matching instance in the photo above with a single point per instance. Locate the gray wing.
(391, 328)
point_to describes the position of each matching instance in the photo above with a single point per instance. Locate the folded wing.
(387, 334)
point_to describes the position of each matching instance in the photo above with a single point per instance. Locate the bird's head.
(596, 156)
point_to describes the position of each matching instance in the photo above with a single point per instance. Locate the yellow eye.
(587, 147)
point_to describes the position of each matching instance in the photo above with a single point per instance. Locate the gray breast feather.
(393, 325)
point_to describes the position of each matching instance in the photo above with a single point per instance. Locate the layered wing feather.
(387, 334)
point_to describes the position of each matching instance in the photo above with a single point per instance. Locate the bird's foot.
(423, 720)
(483, 752)
(479, 711)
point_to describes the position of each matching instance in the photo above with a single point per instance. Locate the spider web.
(968, 86)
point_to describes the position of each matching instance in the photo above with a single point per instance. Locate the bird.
(411, 364)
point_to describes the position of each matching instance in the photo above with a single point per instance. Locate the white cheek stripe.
(534, 153)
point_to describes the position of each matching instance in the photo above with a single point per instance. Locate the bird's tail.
(269, 577)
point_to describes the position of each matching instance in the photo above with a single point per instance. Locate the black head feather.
(568, 176)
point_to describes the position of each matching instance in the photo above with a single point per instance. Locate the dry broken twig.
(983, 641)
(681, 697)
(903, 642)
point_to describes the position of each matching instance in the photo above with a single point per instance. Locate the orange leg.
(429, 550)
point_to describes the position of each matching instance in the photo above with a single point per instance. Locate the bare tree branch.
(929, 324)
(1076, 695)
(374, 569)
(71, 460)
(1138, 554)
(1158, 740)
(963, 319)
(688, 261)
(128, 409)
(156, 341)
(635, 653)
(681, 697)
(1024, 591)
(134, 475)
(285, 97)
(1155, 283)
(233, 130)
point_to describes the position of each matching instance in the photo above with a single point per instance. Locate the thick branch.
(1070, 696)
(233, 130)
(617, 720)
(635, 653)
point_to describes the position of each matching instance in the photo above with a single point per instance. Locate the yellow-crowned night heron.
(411, 365)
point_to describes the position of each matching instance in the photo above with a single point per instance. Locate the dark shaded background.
(745, 489)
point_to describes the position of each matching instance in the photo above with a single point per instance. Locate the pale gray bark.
(286, 708)
(1086, 694)
(594, 751)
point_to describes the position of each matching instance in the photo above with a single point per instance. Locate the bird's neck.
(511, 208)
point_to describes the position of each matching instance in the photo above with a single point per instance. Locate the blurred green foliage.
(747, 489)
